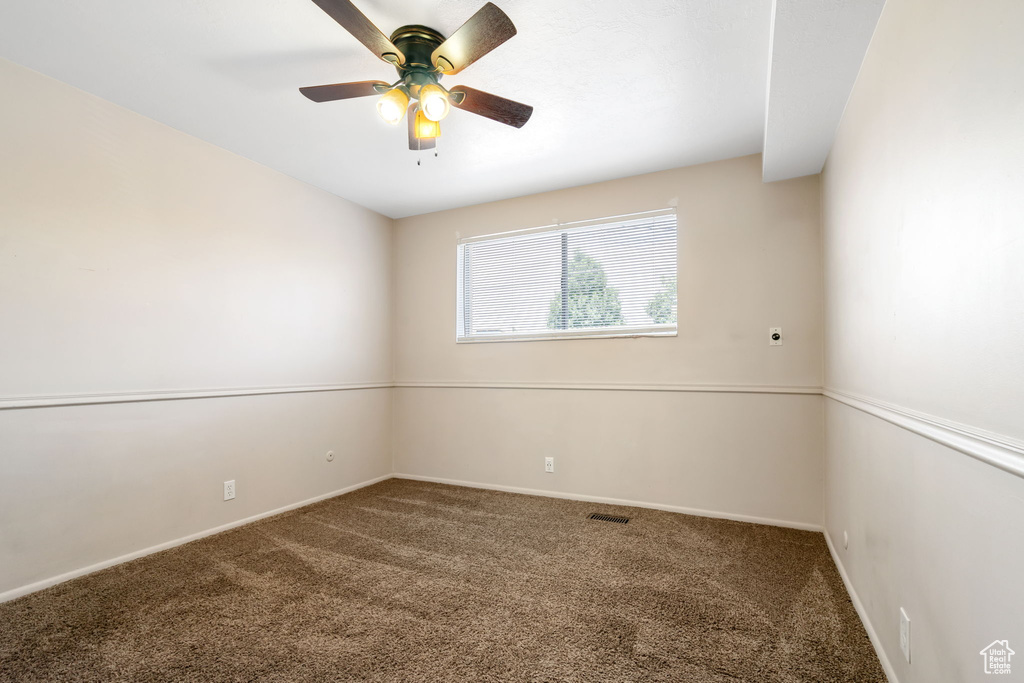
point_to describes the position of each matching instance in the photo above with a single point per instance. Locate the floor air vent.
(609, 518)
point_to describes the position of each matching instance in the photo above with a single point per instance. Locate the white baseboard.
(616, 501)
(890, 673)
(857, 604)
(67, 576)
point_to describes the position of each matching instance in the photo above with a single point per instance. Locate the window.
(603, 278)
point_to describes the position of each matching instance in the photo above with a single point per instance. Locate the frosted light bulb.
(434, 102)
(392, 105)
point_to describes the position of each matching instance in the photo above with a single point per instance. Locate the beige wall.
(923, 215)
(753, 457)
(88, 484)
(749, 259)
(136, 259)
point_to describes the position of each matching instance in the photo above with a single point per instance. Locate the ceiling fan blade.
(415, 143)
(485, 30)
(343, 91)
(356, 23)
(499, 109)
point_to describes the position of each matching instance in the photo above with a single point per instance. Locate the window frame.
(631, 331)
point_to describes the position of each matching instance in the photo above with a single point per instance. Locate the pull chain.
(419, 150)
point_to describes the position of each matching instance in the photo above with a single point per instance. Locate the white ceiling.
(619, 88)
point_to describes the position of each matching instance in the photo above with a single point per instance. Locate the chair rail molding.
(997, 450)
(613, 386)
(15, 402)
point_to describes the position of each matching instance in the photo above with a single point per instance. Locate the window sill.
(573, 334)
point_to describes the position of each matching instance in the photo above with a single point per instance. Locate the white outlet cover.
(773, 331)
(330, 456)
(549, 464)
(229, 490)
(846, 540)
(905, 633)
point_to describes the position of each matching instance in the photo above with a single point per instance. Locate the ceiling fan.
(422, 56)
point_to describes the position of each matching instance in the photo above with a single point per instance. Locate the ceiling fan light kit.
(434, 102)
(422, 56)
(392, 105)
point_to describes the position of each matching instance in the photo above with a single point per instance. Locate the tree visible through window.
(592, 303)
(662, 308)
(612, 276)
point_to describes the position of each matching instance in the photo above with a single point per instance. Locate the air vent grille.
(609, 518)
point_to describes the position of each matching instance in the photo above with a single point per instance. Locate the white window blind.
(609, 277)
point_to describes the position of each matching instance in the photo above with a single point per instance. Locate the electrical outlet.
(905, 633)
(330, 456)
(549, 464)
(774, 336)
(846, 540)
(229, 490)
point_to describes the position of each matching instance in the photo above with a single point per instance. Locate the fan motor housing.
(417, 43)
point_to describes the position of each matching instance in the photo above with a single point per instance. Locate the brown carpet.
(408, 581)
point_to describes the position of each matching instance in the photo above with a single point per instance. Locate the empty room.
(460, 341)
